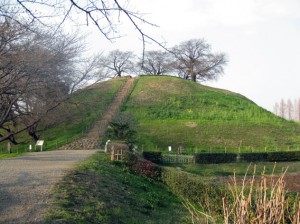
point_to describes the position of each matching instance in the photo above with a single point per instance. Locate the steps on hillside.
(83, 143)
(100, 127)
(92, 140)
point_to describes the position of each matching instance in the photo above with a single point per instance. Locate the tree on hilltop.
(193, 59)
(156, 63)
(117, 62)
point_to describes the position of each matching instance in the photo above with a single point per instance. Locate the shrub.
(146, 168)
(194, 189)
(254, 157)
(213, 158)
(271, 156)
(155, 157)
(208, 158)
(139, 165)
(122, 126)
(283, 156)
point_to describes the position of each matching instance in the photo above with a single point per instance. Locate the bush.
(254, 157)
(123, 126)
(211, 158)
(283, 156)
(155, 157)
(271, 156)
(139, 165)
(193, 189)
(146, 168)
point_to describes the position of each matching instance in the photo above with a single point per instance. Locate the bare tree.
(194, 60)
(156, 62)
(282, 108)
(276, 109)
(85, 71)
(35, 74)
(290, 109)
(297, 109)
(117, 62)
(105, 15)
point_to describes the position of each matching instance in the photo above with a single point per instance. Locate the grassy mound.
(176, 112)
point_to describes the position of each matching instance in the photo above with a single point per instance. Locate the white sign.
(39, 143)
(170, 148)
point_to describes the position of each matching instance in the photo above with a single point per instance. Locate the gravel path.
(26, 182)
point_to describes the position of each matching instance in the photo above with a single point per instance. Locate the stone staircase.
(93, 138)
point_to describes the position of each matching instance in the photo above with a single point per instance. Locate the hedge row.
(271, 156)
(155, 157)
(214, 158)
(193, 188)
(207, 158)
(211, 158)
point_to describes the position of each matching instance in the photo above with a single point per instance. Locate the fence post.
(112, 153)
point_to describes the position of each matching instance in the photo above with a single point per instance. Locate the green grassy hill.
(176, 112)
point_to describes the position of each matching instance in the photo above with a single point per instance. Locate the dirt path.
(26, 182)
(93, 138)
(114, 107)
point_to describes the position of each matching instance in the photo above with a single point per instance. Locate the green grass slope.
(78, 115)
(176, 112)
(100, 191)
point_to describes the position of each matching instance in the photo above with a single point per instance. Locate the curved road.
(26, 182)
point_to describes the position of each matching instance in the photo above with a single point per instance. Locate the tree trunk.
(193, 77)
(192, 73)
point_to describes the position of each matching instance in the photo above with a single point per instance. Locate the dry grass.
(255, 199)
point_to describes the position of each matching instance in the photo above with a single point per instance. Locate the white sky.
(260, 37)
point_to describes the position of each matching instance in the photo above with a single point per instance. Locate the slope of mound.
(73, 118)
(176, 112)
(79, 114)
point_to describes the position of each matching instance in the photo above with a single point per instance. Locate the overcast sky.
(260, 37)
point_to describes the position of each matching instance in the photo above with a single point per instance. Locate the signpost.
(39, 143)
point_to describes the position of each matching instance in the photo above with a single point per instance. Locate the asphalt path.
(26, 183)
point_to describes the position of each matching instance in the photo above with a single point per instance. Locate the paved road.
(26, 182)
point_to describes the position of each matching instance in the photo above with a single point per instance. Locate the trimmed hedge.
(254, 157)
(194, 189)
(212, 158)
(283, 156)
(271, 156)
(155, 157)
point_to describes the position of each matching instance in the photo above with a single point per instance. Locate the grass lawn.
(5, 156)
(100, 191)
